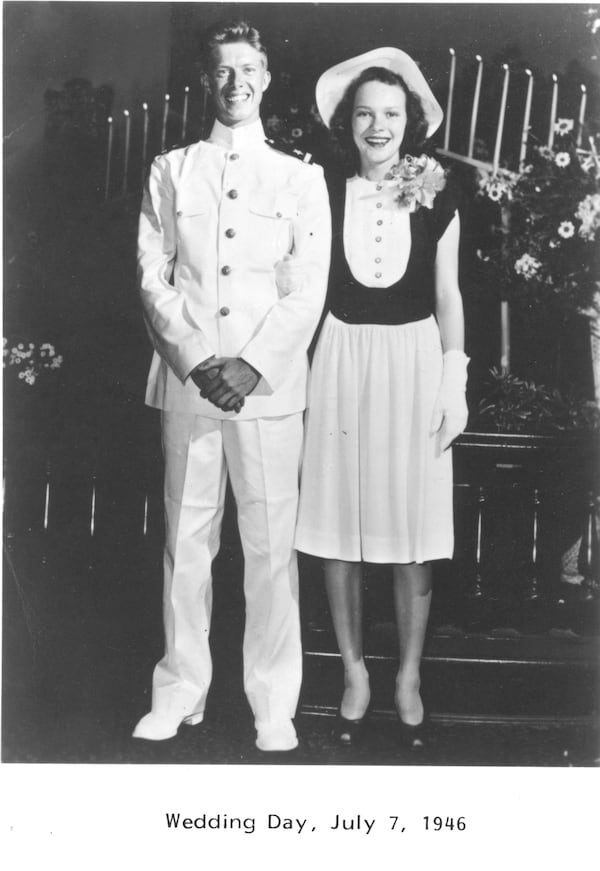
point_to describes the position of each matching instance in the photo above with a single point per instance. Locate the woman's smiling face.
(378, 125)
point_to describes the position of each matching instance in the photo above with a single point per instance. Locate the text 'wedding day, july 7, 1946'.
(358, 824)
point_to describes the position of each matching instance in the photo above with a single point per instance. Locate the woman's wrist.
(455, 369)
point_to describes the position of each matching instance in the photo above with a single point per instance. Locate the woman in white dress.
(388, 381)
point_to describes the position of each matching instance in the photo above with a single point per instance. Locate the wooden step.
(470, 677)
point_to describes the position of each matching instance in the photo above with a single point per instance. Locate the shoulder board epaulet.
(280, 145)
(170, 148)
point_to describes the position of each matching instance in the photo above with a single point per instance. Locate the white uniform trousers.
(262, 458)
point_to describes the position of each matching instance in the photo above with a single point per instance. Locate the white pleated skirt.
(375, 486)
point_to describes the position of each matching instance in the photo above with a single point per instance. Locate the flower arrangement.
(517, 405)
(30, 361)
(418, 181)
(543, 246)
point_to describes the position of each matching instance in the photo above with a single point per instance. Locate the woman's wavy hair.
(340, 128)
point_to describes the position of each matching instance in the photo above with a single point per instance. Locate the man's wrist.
(199, 371)
(250, 366)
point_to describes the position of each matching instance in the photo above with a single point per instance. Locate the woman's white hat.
(334, 81)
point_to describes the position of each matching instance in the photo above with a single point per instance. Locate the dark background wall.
(306, 38)
(141, 49)
(125, 45)
(69, 256)
(311, 36)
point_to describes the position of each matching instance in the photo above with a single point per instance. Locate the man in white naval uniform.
(234, 241)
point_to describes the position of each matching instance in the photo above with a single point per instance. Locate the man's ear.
(205, 81)
(266, 80)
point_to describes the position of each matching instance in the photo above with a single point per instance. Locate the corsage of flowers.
(418, 179)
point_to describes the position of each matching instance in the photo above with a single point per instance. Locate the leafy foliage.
(543, 246)
(516, 405)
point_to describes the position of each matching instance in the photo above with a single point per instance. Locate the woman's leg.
(343, 582)
(412, 597)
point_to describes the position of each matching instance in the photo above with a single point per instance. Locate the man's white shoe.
(154, 727)
(276, 737)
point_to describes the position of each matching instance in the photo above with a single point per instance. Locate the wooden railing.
(520, 503)
(146, 130)
(498, 143)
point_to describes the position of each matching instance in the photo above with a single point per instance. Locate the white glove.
(450, 411)
(289, 275)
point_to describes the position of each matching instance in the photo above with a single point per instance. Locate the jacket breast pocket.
(271, 223)
(186, 211)
(193, 222)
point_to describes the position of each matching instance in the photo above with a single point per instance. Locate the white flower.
(587, 162)
(527, 266)
(588, 212)
(27, 375)
(494, 191)
(562, 126)
(497, 185)
(296, 133)
(562, 159)
(546, 152)
(566, 229)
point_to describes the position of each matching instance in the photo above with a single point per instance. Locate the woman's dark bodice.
(412, 298)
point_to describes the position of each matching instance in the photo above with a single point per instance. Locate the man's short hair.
(226, 32)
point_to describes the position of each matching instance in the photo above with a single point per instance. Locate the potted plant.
(541, 256)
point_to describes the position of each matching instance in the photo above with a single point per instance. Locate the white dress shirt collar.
(237, 138)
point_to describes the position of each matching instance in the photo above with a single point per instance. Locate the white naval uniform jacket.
(216, 217)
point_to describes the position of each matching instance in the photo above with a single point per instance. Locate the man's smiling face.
(237, 80)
